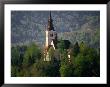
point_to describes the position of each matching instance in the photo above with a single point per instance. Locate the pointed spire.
(50, 15)
(50, 25)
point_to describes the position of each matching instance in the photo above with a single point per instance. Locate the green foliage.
(51, 52)
(28, 61)
(67, 70)
(64, 58)
(76, 49)
(15, 56)
(31, 55)
(86, 63)
(61, 46)
(14, 71)
(43, 68)
(83, 48)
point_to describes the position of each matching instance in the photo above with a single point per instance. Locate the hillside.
(30, 26)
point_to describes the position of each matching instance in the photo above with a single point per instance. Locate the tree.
(61, 46)
(14, 71)
(51, 53)
(86, 63)
(76, 49)
(15, 56)
(31, 55)
(64, 58)
(83, 48)
(67, 70)
(44, 68)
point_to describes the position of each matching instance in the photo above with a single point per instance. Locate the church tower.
(51, 36)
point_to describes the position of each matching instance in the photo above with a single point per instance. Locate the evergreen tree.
(76, 49)
(31, 55)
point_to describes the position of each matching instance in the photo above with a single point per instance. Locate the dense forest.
(29, 61)
(81, 28)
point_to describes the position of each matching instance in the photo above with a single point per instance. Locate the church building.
(51, 39)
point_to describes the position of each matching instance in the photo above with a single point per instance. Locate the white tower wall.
(49, 38)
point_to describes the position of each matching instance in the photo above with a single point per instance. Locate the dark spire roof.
(50, 24)
(50, 15)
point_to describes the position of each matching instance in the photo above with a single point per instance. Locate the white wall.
(48, 38)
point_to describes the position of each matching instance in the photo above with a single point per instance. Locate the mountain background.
(30, 26)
